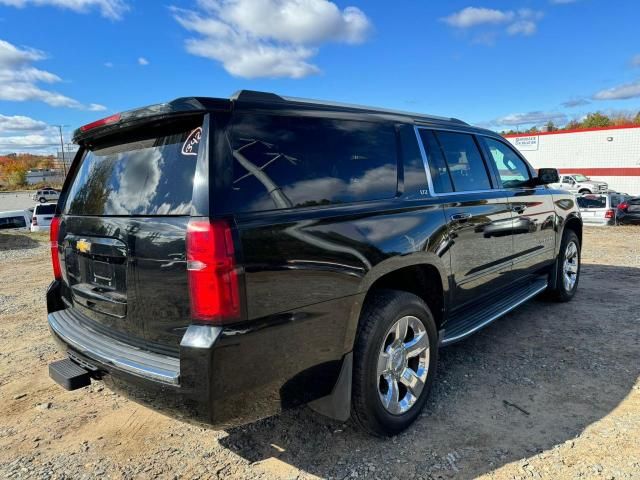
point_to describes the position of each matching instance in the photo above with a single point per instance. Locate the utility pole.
(64, 164)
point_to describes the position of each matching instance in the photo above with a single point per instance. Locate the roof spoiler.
(120, 121)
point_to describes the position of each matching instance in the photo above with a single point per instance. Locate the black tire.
(42, 200)
(584, 190)
(561, 292)
(381, 311)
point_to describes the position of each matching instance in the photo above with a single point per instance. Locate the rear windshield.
(148, 176)
(592, 201)
(45, 209)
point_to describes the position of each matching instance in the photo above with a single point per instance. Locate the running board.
(471, 319)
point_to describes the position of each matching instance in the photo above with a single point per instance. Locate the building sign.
(526, 143)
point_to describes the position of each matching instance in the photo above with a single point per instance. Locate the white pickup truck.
(578, 183)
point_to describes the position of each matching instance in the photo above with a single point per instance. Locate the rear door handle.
(460, 217)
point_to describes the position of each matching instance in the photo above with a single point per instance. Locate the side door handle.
(460, 217)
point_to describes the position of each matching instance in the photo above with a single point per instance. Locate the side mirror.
(547, 176)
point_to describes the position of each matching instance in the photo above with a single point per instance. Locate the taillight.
(623, 206)
(55, 256)
(213, 278)
(34, 221)
(609, 214)
(100, 123)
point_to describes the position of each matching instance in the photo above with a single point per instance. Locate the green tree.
(637, 119)
(596, 120)
(551, 127)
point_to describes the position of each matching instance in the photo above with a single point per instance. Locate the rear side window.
(12, 222)
(592, 201)
(463, 167)
(45, 210)
(287, 162)
(437, 164)
(148, 176)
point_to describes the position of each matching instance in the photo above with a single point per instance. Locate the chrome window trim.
(427, 170)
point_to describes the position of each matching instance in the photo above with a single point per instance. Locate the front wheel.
(568, 271)
(395, 359)
(42, 199)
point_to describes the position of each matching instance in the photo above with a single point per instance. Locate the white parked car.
(42, 215)
(600, 208)
(46, 195)
(578, 183)
(15, 220)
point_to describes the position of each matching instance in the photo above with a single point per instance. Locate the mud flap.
(337, 405)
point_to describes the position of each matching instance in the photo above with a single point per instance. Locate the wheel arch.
(423, 275)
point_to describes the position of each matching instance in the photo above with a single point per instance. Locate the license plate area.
(103, 273)
(96, 271)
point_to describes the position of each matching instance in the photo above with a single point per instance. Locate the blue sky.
(496, 63)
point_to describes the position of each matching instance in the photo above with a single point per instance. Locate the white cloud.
(575, 102)
(529, 118)
(19, 79)
(19, 123)
(620, 92)
(113, 9)
(522, 27)
(143, 61)
(472, 16)
(518, 22)
(269, 38)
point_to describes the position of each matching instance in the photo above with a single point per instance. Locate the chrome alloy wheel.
(570, 266)
(403, 364)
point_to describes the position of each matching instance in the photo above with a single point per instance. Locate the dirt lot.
(549, 391)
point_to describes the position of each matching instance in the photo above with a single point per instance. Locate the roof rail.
(254, 96)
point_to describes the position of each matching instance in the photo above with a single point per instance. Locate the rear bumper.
(629, 218)
(220, 377)
(178, 386)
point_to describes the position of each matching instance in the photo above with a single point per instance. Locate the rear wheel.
(395, 360)
(568, 271)
(42, 200)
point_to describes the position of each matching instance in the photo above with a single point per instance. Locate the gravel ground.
(549, 391)
(16, 200)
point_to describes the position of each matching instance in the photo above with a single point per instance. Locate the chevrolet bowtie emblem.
(83, 246)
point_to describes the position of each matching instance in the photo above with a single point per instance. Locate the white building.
(42, 175)
(609, 154)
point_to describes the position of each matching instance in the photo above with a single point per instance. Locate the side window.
(286, 162)
(464, 162)
(12, 222)
(415, 177)
(512, 170)
(437, 165)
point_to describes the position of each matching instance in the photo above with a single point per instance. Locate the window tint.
(437, 166)
(12, 222)
(45, 209)
(415, 178)
(151, 176)
(284, 162)
(512, 170)
(466, 167)
(592, 201)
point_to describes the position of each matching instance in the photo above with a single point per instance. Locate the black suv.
(225, 259)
